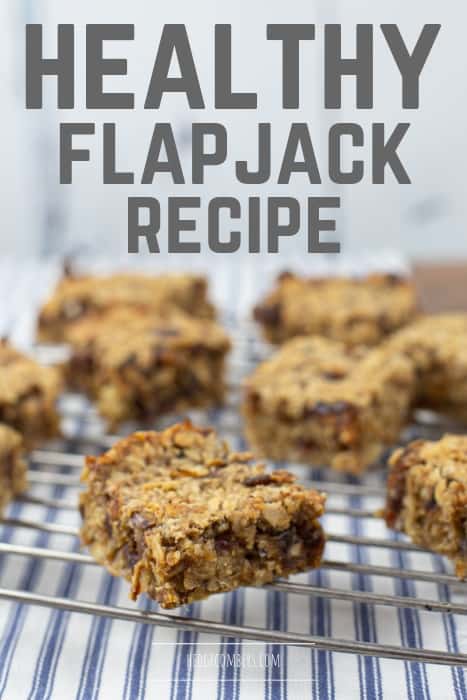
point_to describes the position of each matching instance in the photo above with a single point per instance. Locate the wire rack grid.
(366, 567)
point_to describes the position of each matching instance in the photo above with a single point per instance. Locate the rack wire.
(46, 469)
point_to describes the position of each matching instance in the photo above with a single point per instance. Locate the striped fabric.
(48, 653)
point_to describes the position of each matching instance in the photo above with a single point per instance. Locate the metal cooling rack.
(43, 471)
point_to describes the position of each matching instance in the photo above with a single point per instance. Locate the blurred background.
(424, 220)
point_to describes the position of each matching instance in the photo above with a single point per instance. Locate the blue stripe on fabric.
(182, 670)
(450, 629)
(276, 619)
(411, 634)
(14, 512)
(364, 616)
(187, 669)
(329, 658)
(320, 624)
(276, 677)
(138, 660)
(175, 666)
(52, 643)
(13, 625)
(91, 671)
(29, 579)
(228, 687)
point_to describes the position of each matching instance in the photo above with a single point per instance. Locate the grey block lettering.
(174, 41)
(299, 136)
(276, 229)
(97, 66)
(291, 35)
(68, 154)
(263, 173)
(410, 64)
(385, 153)
(316, 224)
(137, 230)
(163, 136)
(336, 66)
(336, 174)
(254, 223)
(215, 205)
(177, 225)
(225, 98)
(200, 158)
(63, 66)
(111, 176)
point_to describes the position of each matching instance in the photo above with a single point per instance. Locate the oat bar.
(437, 348)
(77, 297)
(12, 466)
(427, 496)
(138, 368)
(357, 311)
(28, 393)
(320, 402)
(181, 516)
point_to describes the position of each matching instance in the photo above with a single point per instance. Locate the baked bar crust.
(437, 347)
(427, 496)
(181, 516)
(357, 311)
(321, 402)
(13, 468)
(78, 297)
(138, 368)
(28, 393)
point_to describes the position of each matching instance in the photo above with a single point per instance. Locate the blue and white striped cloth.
(48, 653)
